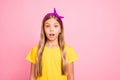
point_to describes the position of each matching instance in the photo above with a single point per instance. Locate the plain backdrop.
(92, 28)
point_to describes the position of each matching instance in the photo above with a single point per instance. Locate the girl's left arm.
(70, 71)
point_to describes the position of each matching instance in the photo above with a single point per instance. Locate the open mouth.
(51, 35)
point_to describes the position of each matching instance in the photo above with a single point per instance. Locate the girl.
(52, 59)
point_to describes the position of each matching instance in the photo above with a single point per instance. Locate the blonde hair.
(41, 45)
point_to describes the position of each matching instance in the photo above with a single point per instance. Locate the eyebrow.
(54, 23)
(47, 23)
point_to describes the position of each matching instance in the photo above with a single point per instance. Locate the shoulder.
(68, 47)
(34, 48)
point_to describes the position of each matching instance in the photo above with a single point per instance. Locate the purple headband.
(57, 14)
(54, 14)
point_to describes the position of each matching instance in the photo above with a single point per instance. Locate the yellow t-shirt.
(51, 62)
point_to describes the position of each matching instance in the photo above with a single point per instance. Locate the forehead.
(51, 21)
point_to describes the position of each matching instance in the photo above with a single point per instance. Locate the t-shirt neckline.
(51, 48)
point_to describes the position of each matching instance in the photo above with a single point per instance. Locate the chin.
(51, 39)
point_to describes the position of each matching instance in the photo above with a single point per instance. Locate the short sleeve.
(71, 54)
(31, 56)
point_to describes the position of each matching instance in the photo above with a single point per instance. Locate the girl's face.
(52, 29)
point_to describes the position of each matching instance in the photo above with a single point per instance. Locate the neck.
(52, 44)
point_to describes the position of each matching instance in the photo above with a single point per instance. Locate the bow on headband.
(55, 13)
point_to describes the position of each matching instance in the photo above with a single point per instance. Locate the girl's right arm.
(32, 75)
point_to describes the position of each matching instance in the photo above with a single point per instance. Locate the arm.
(70, 69)
(32, 76)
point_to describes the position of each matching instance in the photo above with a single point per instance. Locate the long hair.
(41, 45)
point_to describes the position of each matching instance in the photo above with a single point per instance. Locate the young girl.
(52, 58)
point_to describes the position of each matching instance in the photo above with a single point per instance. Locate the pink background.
(92, 28)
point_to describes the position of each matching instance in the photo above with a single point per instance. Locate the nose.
(51, 29)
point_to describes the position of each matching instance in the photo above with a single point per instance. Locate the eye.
(47, 26)
(56, 26)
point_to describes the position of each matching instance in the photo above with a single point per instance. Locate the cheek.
(58, 31)
(46, 30)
